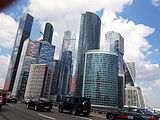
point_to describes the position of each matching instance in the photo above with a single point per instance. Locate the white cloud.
(65, 15)
(136, 45)
(4, 61)
(148, 71)
(157, 83)
(8, 30)
(156, 3)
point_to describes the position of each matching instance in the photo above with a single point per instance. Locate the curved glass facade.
(100, 82)
(89, 39)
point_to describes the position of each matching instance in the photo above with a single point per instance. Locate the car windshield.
(146, 111)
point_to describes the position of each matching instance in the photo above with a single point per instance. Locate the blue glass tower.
(89, 39)
(100, 82)
(23, 33)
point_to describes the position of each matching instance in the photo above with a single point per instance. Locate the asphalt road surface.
(19, 112)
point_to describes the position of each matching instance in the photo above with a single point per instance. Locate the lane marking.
(47, 117)
(83, 118)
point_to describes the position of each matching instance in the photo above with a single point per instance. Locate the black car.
(76, 105)
(11, 99)
(132, 113)
(39, 104)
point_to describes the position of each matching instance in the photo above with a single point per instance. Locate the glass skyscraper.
(65, 75)
(89, 39)
(48, 33)
(23, 33)
(55, 79)
(100, 82)
(115, 43)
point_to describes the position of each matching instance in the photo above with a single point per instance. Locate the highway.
(19, 112)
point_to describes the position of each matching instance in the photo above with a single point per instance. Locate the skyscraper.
(48, 33)
(55, 79)
(100, 82)
(69, 41)
(130, 73)
(89, 39)
(115, 43)
(23, 33)
(65, 75)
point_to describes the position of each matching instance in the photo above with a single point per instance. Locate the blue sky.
(128, 17)
(142, 11)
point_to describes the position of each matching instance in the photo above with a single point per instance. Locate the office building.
(134, 96)
(115, 43)
(89, 39)
(65, 75)
(55, 79)
(100, 82)
(39, 81)
(33, 52)
(23, 33)
(69, 41)
(48, 33)
(130, 73)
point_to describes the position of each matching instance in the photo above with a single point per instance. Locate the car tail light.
(152, 117)
(122, 116)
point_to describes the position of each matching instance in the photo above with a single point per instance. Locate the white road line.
(83, 118)
(47, 117)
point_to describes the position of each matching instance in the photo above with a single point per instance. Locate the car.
(1, 100)
(11, 99)
(39, 104)
(76, 105)
(132, 113)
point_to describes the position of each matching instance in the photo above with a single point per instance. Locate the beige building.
(39, 81)
(134, 96)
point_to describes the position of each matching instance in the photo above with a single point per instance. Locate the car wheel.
(36, 108)
(27, 106)
(60, 109)
(110, 117)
